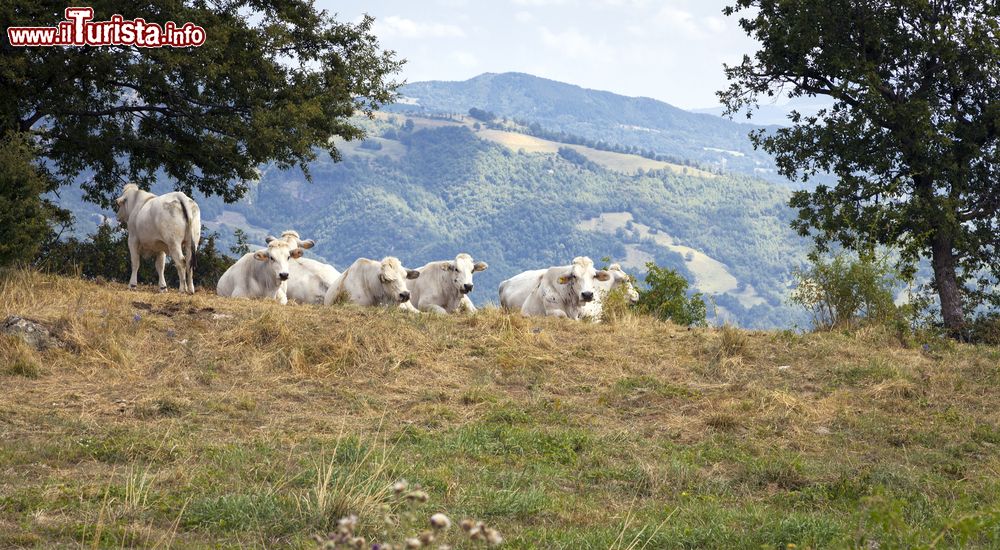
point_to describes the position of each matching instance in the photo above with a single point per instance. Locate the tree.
(841, 291)
(665, 297)
(24, 215)
(913, 133)
(274, 80)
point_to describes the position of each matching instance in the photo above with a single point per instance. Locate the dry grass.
(221, 413)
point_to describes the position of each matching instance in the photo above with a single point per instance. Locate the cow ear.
(480, 266)
(412, 273)
(307, 244)
(564, 279)
(602, 275)
(270, 238)
(297, 253)
(260, 255)
(447, 266)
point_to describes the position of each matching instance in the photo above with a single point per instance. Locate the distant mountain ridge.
(643, 122)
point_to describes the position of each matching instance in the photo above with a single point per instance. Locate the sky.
(671, 50)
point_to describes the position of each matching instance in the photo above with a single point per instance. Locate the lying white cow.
(515, 291)
(560, 291)
(161, 225)
(373, 283)
(261, 274)
(444, 287)
(308, 279)
(618, 279)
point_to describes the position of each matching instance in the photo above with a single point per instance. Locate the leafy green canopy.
(913, 133)
(665, 296)
(274, 79)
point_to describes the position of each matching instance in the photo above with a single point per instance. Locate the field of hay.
(175, 421)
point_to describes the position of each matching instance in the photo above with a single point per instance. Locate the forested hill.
(642, 122)
(429, 188)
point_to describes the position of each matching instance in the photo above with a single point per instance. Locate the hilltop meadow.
(162, 420)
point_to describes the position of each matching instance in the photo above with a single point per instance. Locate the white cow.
(444, 287)
(161, 225)
(373, 283)
(308, 279)
(559, 291)
(261, 274)
(618, 279)
(515, 291)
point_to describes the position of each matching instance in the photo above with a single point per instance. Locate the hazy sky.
(670, 50)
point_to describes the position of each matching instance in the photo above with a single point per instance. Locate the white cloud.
(524, 16)
(465, 59)
(685, 22)
(540, 2)
(395, 25)
(575, 44)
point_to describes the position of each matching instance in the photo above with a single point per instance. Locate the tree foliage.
(843, 291)
(24, 215)
(665, 296)
(273, 80)
(913, 134)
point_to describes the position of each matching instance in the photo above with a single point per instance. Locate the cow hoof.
(131, 287)
(163, 289)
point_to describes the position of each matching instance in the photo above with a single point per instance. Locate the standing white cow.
(619, 279)
(161, 225)
(308, 279)
(444, 286)
(373, 283)
(261, 274)
(560, 291)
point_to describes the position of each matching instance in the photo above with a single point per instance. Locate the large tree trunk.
(946, 281)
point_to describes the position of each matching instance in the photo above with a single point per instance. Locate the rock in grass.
(35, 334)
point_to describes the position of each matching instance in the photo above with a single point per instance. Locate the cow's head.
(123, 204)
(581, 276)
(621, 279)
(392, 275)
(293, 238)
(460, 272)
(277, 254)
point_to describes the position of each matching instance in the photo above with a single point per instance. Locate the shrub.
(665, 296)
(24, 215)
(842, 291)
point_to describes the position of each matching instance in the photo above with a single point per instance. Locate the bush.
(844, 291)
(24, 215)
(665, 296)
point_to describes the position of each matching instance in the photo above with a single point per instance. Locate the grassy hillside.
(201, 421)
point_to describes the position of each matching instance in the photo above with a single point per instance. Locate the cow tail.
(189, 227)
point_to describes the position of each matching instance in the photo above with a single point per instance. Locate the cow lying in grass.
(444, 286)
(308, 279)
(373, 283)
(559, 291)
(260, 274)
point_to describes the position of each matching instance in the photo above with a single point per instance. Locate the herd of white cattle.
(170, 224)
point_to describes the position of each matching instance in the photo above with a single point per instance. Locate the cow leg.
(433, 308)
(161, 260)
(407, 306)
(465, 304)
(556, 313)
(281, 295)
(133, 251)
(190, 278)
(180, 262)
